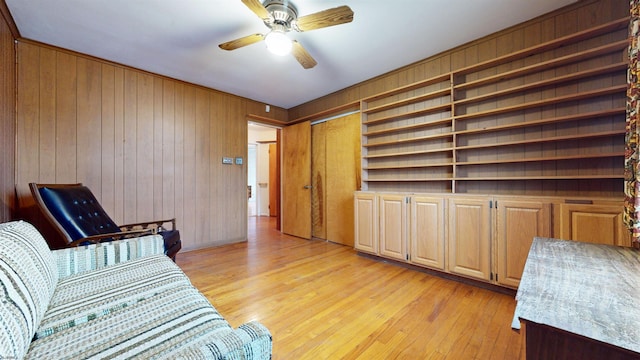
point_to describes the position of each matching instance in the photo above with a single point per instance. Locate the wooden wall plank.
(118, 144)
(158, 144)
(217, 149)
(178, 209)
(107, 143)
(66, 118)
(130, 160)
(8, 86)
(47, 115)
(28, 126)
(238, 196)
(189, 161)
(89, 124)
(202, 166)
(168, 150)
(144, 186)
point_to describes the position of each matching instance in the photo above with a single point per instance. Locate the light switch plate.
(227, 160)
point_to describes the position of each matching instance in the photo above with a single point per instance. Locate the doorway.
(263, 180)
(252, 179)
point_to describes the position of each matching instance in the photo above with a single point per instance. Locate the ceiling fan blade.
(330, 17)
(302, 56)
(243, 41)
(257, 8)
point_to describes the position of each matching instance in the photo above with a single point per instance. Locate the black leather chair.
(79, 218)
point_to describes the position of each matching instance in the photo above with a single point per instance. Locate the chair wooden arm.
(94, 239)
(145, 225)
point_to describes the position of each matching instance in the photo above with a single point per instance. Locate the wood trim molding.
(4, 10)
(266, 120)
(353, 105)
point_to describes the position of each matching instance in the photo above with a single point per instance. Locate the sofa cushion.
(78, 259)
(92, 294)
(141, 308)
(250, 339)
(28, 276)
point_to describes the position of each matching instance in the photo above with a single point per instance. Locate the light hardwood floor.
(324, 301)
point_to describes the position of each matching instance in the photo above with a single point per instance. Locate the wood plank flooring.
(324, 301)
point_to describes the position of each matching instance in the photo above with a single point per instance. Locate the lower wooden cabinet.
(517, 223)
(393, 226)
(595, 223)
(486, 238)
(412, 229)
(401, 227)
(490, 237)
(427, 231)
(366, 222)
(470, 237)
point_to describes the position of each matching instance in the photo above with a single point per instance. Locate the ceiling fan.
(280, 16)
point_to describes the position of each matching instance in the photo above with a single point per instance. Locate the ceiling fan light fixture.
(281, 17)
(278, 43)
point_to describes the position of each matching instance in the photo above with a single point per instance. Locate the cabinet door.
(366, 222)
(470, 237)
(518, 222)
(427, 231)
(393, 226)
(600, 224)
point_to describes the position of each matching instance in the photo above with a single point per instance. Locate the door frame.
(278, 184)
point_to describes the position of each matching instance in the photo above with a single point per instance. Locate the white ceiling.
(180, 39)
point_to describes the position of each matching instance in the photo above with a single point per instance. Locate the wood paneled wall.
(7, 120)
(580, 16)
(149, 147)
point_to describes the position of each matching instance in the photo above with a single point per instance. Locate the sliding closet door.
(343, 176)
(296, 180)
(336, 175)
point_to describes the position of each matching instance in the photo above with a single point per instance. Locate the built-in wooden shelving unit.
(550, 113)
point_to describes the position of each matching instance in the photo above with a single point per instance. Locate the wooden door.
(427, 235)
(518, 222)
(393, 226)
(296, 180)
(470, 237)
(600, 224)
(335, 154)
(343, 169)
(274, 180)
(366, 222)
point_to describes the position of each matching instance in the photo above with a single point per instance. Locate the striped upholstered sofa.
(117, 300)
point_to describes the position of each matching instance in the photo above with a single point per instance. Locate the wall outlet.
(238, 161)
